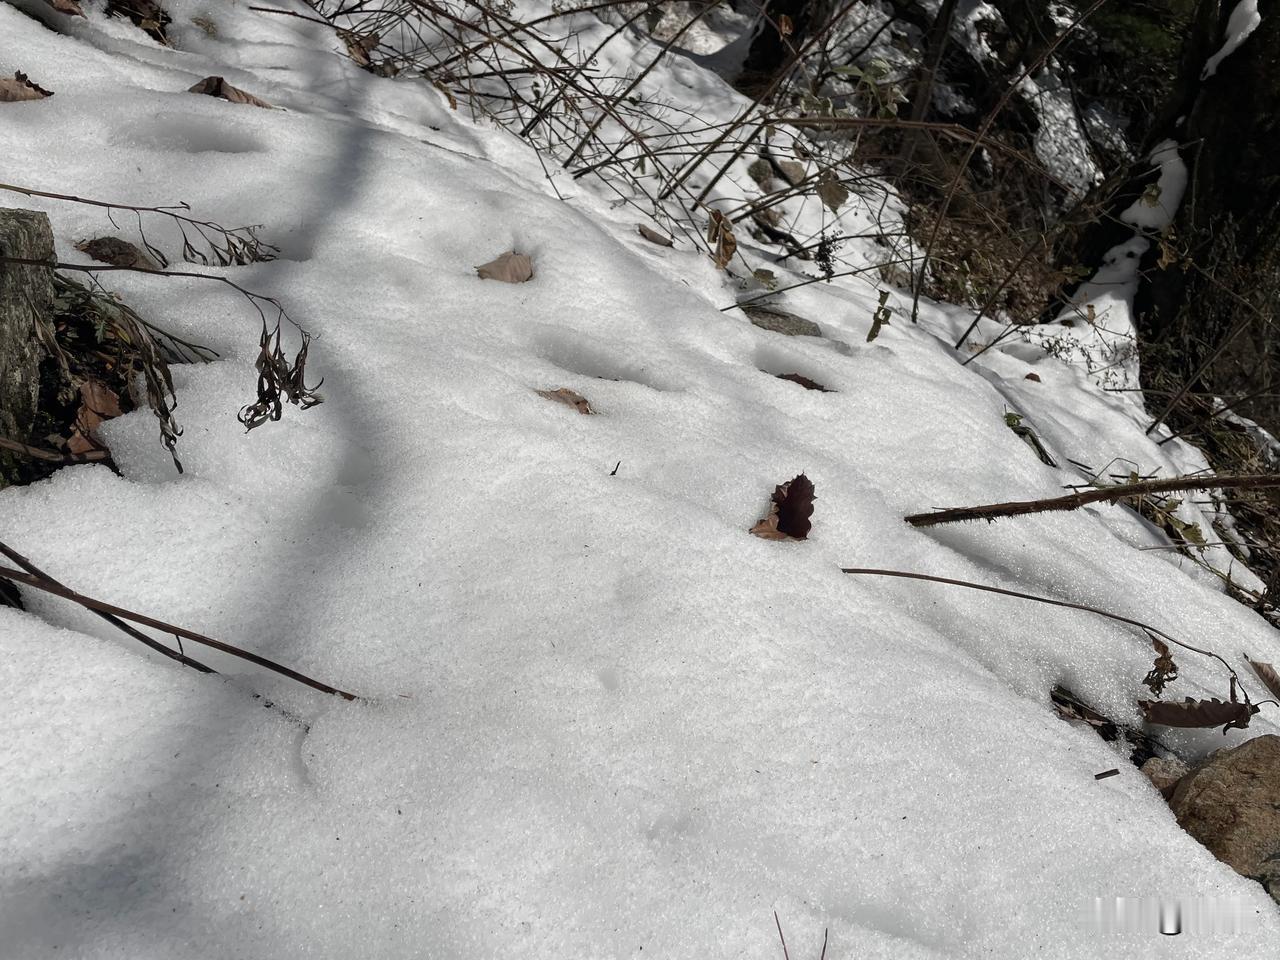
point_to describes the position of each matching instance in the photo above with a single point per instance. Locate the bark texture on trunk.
(26, 295)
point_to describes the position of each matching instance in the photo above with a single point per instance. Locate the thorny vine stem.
(1073, 501)
(870, 571)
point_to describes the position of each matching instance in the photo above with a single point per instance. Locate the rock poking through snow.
(1229, 803)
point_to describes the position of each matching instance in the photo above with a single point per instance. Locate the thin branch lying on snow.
(41, 582)
(1074, 501)
(115, 621)
(871, 571)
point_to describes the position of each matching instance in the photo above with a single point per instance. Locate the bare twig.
(871, 571)
(116, 622)
(57, 589)
(52, 456)
(1014, 508)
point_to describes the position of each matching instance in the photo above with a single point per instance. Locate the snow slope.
(600, 719)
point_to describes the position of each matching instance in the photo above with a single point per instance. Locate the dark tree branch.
(57, 589)
(1074, 501)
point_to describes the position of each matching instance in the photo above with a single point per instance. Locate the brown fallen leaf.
(98, 402)
(18, 87)
(1198, 713)
(720, 237)
(653, 236)
(1163, 671)
(147, 15)
(568, 397)
(511, 267)
(117, 252)
(69, 7)
(803, 381)
(359, 45)
(218, 87)
(1267, 674)
(790, 511)
(1033, 377)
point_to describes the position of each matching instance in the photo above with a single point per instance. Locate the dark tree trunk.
(770, 51)
(1031, 30)
(1209, 283)
(918, 144)
(26, 296)
(1228, 224)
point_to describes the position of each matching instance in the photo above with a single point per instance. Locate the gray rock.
(780, 321)
(1231, 804)
(760, 170)
(1164, 774)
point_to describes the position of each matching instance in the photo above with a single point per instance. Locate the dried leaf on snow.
(1163, 671)
(218, 87)
(359, 45)
(511, 267)
(653, 236)
(117, 252)
(1198, 713)
(69, 7)
(803, 381)
(1267, 674)
(721, 239)
(569, 398)
(98, 402)
(19, 87)
(789, 512)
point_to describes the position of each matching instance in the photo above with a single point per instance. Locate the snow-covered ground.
(599, 719)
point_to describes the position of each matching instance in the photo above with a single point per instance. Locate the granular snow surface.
(598, 718)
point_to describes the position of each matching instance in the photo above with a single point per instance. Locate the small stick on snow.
(50, 586)
(116, 622)
(871, 571)
(1074, 501)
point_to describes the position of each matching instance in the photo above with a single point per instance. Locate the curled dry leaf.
(803, 381)
(19, 87)
(880, 317)
(1164, 670)
(1198, 713)
(69, 7)
(721, 239)
(117, 252)
(789, 512)
(359, 45)
(511, 267)
(569, 398)
(218, 87)
(653, 236)
(1267, 674)
(98, 402)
